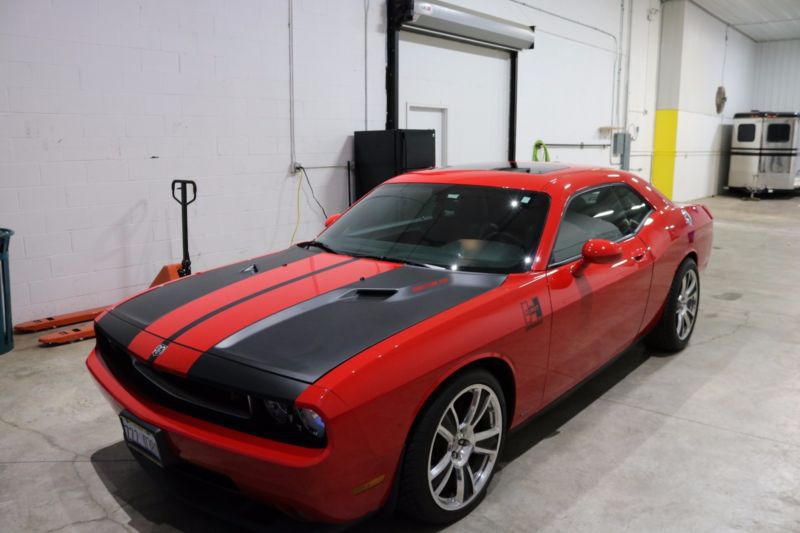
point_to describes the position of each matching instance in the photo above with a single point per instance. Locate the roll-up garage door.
(460, 90)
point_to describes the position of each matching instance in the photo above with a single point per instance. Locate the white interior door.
(423, 117)
(462, 88)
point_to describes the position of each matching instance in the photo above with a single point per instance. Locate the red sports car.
(389, 358)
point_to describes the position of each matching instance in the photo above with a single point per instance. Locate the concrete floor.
(707, 440)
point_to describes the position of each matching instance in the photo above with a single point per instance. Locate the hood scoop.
(369, 294)
(308, 339)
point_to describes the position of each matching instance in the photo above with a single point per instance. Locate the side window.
(613, 212)
(746, 133)
(778, 133)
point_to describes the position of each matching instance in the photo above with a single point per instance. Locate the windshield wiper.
(320, 245)
(325, 247)
(397, 260)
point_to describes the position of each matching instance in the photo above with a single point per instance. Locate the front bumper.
(315, 484)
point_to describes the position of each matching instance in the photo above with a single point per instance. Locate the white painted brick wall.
(104, 102)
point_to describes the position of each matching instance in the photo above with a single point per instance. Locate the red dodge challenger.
(389, 358)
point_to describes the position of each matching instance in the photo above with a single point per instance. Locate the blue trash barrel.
(6, 328)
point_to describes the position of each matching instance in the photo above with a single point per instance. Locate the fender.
(459, 366)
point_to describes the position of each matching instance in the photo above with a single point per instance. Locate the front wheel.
(453, 449)
(675, 327)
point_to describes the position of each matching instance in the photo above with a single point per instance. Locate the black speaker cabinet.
(383, 154)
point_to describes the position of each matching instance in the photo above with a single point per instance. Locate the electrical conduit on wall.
(617, 67)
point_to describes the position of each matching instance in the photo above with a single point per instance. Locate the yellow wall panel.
(666, 134)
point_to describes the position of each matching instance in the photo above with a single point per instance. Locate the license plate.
(141, 439)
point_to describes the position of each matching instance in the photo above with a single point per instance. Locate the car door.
(777, 151)
(597, 308)
(745, 152)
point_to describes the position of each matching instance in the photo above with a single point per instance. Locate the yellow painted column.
(665, 138)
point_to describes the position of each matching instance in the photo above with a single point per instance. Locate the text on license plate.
(141, 437)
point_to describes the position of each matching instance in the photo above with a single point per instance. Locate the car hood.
(297, 313)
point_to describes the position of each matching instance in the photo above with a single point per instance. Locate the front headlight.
(312, 422)
(299, 424)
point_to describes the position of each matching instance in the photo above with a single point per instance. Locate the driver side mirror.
(600, 251)
(596, 251)
(331, 219)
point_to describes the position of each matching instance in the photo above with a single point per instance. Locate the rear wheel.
(675, 327)
(453, 450)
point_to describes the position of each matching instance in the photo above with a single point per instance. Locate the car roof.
(532, 176)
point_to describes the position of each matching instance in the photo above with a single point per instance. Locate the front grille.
(234, 409)
(231, 403)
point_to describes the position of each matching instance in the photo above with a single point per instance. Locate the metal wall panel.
(764, 20)
(777, 76)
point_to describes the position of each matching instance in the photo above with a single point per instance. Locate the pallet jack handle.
(183, 199)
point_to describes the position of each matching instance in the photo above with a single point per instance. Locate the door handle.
(639, 254)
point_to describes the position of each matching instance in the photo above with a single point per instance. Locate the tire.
(465, 460)
(674, 328)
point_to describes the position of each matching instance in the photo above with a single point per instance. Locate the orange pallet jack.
(58, 321)
(167, 273)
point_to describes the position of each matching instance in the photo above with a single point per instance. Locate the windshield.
(459, 227)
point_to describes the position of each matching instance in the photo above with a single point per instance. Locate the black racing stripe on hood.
(256, 294)
(152, 305)
(118, 329)
(308, 340)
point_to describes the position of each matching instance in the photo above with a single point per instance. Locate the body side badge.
(531, 312)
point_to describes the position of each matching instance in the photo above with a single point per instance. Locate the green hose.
(539, 145)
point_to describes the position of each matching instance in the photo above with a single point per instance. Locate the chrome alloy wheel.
(465, 447)
(686, 310)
